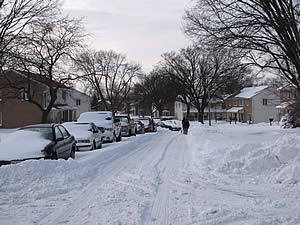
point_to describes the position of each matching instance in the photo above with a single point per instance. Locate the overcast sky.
(141, 29)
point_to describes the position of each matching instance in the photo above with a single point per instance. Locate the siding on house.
(17, 112)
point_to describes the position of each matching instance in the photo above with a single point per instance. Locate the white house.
(69, 105)
(217, 110)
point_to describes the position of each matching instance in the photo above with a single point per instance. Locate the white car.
(87, 135)
(104, 120)
(171, 125)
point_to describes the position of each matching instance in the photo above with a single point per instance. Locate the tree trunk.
(200, 115)
(188, 110)
(45, 114)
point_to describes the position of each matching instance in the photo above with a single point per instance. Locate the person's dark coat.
(185, 124)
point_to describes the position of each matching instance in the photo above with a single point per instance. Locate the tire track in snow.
(121, 160)
(166, 168)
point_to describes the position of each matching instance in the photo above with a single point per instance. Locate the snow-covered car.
(157, 121)
(87, 135)
(140, 128)
(105, 122)
(128, 126)
(171, 125)
(149, 124)
(49, 141)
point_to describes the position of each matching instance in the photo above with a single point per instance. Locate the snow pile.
(279, 160)
(22, 144)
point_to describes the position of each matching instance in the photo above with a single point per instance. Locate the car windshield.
(122, 119)
(99, 119)
(46, 132)
(145, 121)
(77, 126)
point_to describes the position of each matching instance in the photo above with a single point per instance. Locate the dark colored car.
(149, 124)
(62, 143)
(128, 126)
(53, 142)
(140, 127)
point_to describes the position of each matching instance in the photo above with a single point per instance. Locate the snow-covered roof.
(213, 110)
(63, 107)
(235, 109)
(284, 105)
(249, 92)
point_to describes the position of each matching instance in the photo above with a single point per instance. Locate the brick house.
(16, 111)
(253, 105)
(288, 96)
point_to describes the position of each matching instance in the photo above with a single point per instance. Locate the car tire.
(94, 146)
(119, 138)
(54, 156)
(72, 155)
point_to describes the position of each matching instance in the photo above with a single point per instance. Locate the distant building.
(253, 105)
(288, 96)
(217, 110)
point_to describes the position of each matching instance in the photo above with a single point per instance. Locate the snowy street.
(224, 174)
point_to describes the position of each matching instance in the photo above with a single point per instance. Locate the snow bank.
(280, 161)
(38, 179)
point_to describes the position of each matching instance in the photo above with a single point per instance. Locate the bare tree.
(110, 75)
(155, 91)
(16, 16)
(45, 54)
(267, 30)
(203, 72)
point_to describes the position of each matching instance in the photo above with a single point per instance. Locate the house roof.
(250, 92)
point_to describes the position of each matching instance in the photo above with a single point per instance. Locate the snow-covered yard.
(224, 174)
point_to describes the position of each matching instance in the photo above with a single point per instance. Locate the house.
(253, 105)
(288, 96)
(217, 110)
(17, 111)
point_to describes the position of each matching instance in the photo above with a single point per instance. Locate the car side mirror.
(59, 139)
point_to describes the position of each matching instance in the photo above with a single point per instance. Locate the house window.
(246, 102)
(265, 101)
(0, 119)
(77, 101)
(235, 102)
(24, 94)
(45, 99)
(241, 102)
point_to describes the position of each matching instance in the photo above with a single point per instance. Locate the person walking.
(185, 125)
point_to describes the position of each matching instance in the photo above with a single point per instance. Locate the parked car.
(105, 122)
(157, 121)
(48, 141)
(171, 125)
(140, 128)
(149, 124)
(87, 135)
(128, 126)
